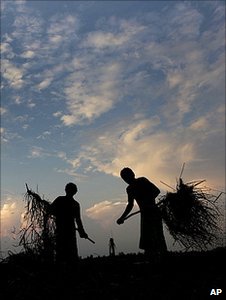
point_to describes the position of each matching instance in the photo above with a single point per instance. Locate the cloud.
(45, 83)
(63, 25)
(31, 104)
(9, 135)
(106, 212)
(57, 114)
(91, 92)
(184, 22)
(150, 66)
(28, 54)
(11, 212)
(44, 135)
(104, 39)
(38, 152)
(12, 74)
(146, 153)
(125, 30)
(200, 124)
(27, 26)
(6, 218)
(151, 151)
(2, 110)
(6, 50)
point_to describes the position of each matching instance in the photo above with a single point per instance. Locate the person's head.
(71, 189)
(127, 175)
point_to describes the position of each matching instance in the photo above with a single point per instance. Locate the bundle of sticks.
(38, 229)
(191, 215)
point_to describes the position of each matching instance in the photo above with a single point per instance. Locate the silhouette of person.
(66, 211)
(112, 247)
(152, 239)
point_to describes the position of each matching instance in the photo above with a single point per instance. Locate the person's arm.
(153, 189)
(156, 191)
(128, 209)
(78, 220)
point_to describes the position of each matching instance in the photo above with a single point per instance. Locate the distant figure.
(112, 247)
(66, 211)
(151, 231)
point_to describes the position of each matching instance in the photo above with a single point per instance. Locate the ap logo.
(215, 292)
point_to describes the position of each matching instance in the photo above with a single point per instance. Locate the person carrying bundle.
(66, 211)
(152, 239)
(50, 227)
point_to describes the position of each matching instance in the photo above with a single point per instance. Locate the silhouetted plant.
(191, 215)
(38, 228)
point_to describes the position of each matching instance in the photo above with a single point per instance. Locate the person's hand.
(84, 235)
(120, 221)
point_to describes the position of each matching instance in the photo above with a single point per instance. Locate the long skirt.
(66, 248)
(151, 232)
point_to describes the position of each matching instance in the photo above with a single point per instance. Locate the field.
(184, 276)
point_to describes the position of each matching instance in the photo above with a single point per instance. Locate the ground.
(185, 276)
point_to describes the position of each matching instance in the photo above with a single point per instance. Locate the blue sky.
(90, 87)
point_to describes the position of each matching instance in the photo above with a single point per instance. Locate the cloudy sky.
(90, 87)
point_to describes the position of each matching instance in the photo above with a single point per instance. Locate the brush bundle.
(190, 215)
(37, 233)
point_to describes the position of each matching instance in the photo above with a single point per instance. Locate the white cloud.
(28, 54)
(6, 218)
(45, 83)
(174, 79)
(102, 39)
(9, 136)
(106, 212)
(79, 177)
(184, 22)
(12, 74)
(25, 25)
(6, 50)
(199, 124)
(36, 152)
(62, 29)
(61, 25)
(126, 30)
(151, 151)
(18, 100)
(31, 104)
(91, 92)
(44, 135)
(2, 110)
(184, 64)
(57, 114)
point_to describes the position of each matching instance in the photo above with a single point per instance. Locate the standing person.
(112, 247)
(66, 211)
(152, 239)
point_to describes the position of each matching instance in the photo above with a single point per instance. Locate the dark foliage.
(38, 233)
(191, 215)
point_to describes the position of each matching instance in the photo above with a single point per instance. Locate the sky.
(90, 87)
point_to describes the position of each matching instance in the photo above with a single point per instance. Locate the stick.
(90, 240)
(168, 185)
(182, 170)
(138, 211)
(27, 187)
(135, 213)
